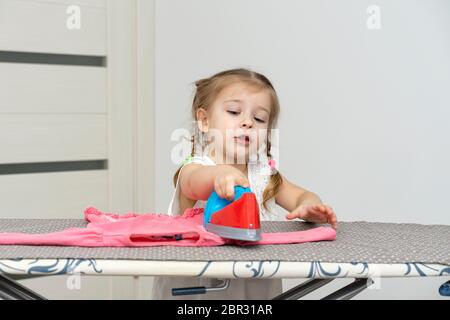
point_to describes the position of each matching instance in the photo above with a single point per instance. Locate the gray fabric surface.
(369, 242)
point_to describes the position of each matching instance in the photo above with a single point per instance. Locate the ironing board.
(362, 251)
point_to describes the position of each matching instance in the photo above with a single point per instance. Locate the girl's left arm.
(304, 204)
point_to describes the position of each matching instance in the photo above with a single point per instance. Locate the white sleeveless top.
(258, 177)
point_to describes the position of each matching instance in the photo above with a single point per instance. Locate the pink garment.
(142, 230)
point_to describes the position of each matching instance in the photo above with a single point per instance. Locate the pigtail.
(273, 187)
(177, 173)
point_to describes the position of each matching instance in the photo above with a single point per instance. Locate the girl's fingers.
(223, 188)
(230, 190)
(330, 212)
(325, 209)
(297, 213)
(331, 216)
(242, 181)
(303, 211)
(219, 190)
(291, 216)
(329, 209)
(333, 220)
(315, 213)
(316, 210)
(320, 214)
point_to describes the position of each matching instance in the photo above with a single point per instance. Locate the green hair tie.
(187, 160)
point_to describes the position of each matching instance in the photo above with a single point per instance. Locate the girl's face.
(237, 121)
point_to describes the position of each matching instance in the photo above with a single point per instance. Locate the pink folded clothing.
(144, 230)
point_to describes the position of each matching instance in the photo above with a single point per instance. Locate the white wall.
(364, 112)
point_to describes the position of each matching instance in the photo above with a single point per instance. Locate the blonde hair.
(208, 89)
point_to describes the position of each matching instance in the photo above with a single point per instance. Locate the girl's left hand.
(318, 213)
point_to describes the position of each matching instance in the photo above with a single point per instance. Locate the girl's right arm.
(198, 181)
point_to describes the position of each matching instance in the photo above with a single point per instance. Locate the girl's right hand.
(226, 178)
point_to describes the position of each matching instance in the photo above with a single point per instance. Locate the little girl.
(231, 109)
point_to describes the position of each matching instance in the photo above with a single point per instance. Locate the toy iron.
(237, 219)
